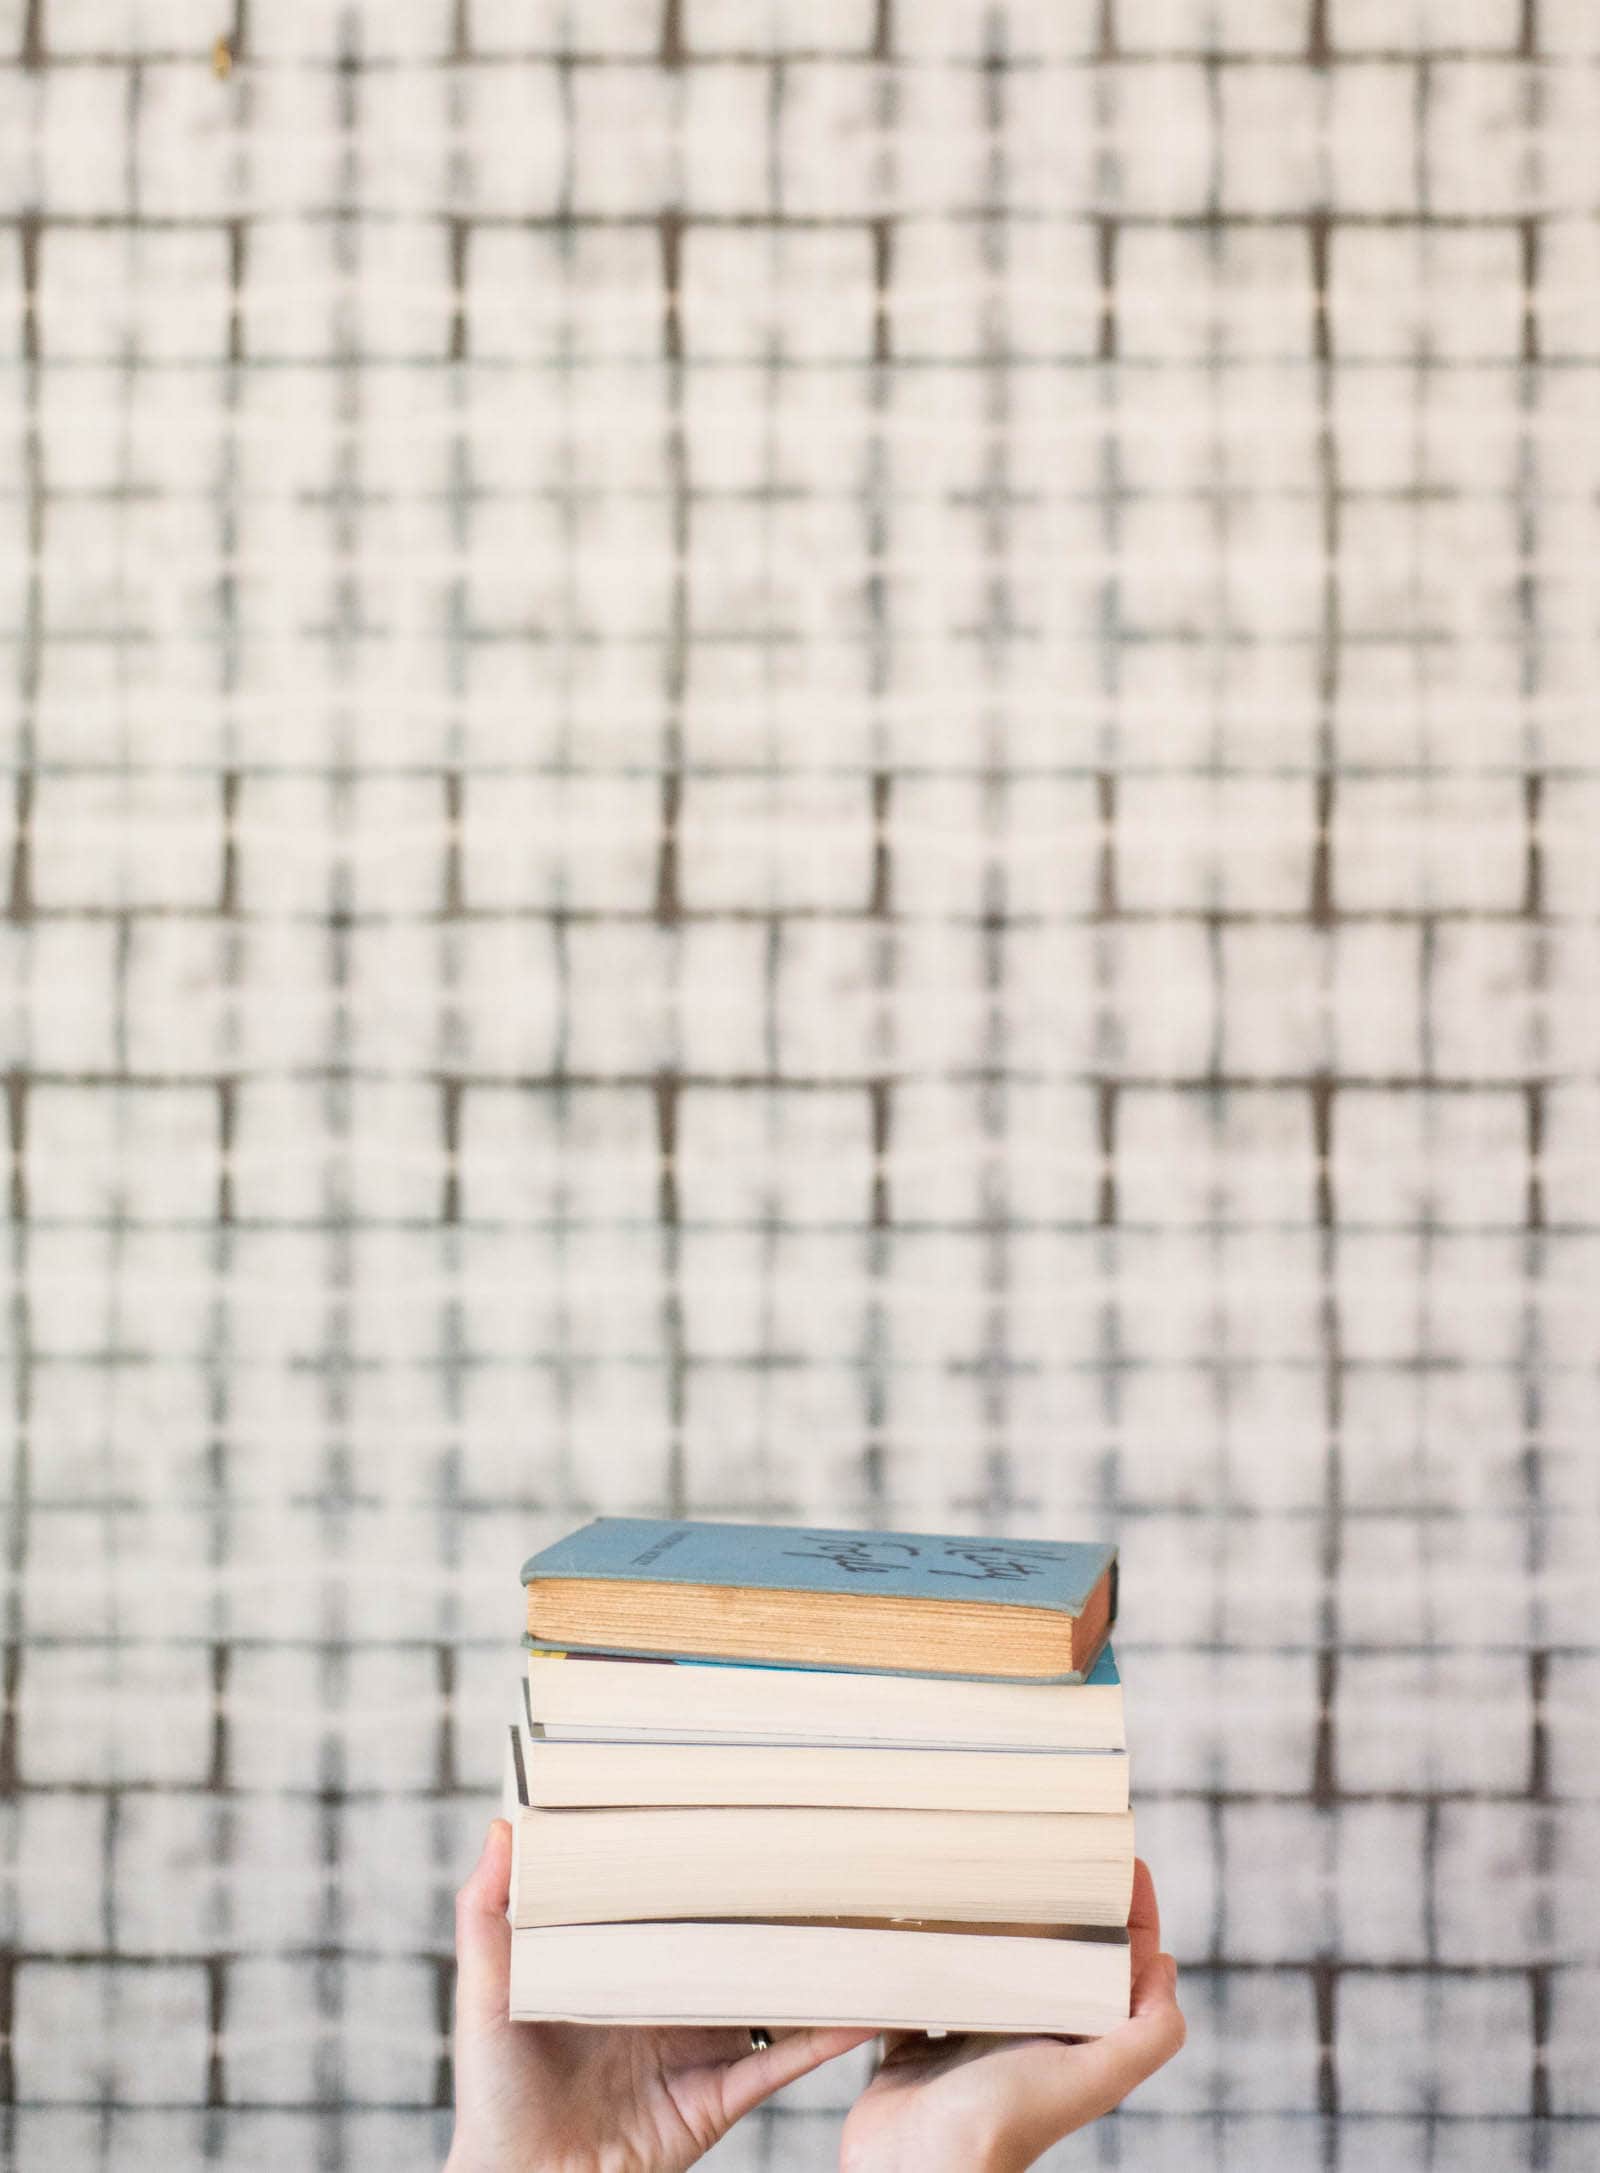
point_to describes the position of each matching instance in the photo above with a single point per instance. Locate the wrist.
(972, 2149)
(984, 2149)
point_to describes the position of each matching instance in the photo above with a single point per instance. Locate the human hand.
(995, 2104)
(557, 2097)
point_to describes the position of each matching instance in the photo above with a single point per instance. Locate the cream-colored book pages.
(569, 1773)
(789, 1976)
(577, 1867)
(598, 1694)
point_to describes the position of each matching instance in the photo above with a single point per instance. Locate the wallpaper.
(824, 762)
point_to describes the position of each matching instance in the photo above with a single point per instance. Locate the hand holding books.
(773, 1791)
(551, 2094)
(561, 2094)
(1001, 2102)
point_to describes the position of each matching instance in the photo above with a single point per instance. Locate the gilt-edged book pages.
(1035, 1610)
(589, 1693)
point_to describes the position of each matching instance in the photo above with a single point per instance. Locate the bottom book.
(1070, 1983)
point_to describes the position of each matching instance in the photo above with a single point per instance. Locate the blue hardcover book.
(1031, 1610)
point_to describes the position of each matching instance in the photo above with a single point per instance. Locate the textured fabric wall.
(824, 761)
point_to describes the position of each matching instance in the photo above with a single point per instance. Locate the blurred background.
(823, 762)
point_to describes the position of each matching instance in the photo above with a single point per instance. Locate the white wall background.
(830, 762)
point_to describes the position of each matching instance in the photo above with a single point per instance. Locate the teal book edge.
(1103, 1675)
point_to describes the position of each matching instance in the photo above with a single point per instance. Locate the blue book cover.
(1054, 1573)
(1046, 1578)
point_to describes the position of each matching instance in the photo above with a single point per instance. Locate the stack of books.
(779, 1776)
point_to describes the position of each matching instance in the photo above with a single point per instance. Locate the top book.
(916, 1603)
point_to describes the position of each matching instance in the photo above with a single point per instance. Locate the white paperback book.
(603, 1694)
(870, 1976)
(607, 1865)
(573, 1771)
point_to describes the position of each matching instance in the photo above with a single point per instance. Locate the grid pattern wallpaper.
(824, 761)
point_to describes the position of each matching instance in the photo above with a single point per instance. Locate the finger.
(907, 2048)
(1155, 1988)
(483, 1936)
(752, 2080)
(1059, 2088)
(1154, 2031)
(1144, 1919)
(1144, 1913)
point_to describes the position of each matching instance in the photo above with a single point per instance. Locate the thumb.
(751, 2081)
(1059, 2087)
(483, 1936)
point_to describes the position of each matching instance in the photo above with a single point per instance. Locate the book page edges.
(976, 1979)
(828, 1630)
